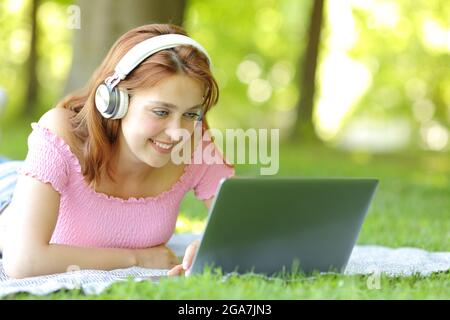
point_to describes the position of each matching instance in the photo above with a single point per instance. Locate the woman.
(99, 188)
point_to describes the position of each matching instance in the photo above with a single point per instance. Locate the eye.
(193, 115)
(160, 113)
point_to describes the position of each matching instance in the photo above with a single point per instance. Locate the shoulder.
(57, 120)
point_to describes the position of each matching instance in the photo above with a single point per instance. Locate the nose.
(174, 129)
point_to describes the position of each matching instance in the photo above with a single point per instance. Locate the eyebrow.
(170, 105)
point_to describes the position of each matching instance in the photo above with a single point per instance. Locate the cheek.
(151, 128)
(138, 128)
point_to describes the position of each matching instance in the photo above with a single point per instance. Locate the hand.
(183, 268)
(159, 257)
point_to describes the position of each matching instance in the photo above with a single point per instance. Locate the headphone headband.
(146, 48)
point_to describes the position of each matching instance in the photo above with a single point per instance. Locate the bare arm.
(27, 251)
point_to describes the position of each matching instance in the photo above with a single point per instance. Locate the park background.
(358, 88)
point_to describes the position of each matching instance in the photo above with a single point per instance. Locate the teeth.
(161, 145)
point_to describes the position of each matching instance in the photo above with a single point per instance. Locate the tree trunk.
(31, 94)
(304, 127)
(104, 21)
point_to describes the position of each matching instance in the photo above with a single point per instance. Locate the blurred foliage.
(408, 54)
(256, 47)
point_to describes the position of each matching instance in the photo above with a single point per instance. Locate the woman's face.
(157, 114)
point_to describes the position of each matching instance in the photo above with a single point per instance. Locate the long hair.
(97, 135)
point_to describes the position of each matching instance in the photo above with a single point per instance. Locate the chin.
(158, 163)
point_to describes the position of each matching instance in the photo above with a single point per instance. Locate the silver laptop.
(275, 225)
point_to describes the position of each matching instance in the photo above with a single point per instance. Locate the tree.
(303, 125)
(31, 94)
(104, 21)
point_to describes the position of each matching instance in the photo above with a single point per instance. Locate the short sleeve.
(46, 159)
(208, 174)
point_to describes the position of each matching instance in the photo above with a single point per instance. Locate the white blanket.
(364, 260)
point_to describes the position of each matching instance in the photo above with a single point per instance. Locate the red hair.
(97, 150)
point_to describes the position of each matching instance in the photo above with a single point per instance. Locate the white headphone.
(111, 101)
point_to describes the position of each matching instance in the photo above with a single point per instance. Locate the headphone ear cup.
(121, 104)
(105, 100)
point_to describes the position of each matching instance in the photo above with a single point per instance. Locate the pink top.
(92, 219)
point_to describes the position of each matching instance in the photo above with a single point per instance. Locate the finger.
(175, 271)
(189, 256)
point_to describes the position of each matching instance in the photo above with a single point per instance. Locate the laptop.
(271, 225)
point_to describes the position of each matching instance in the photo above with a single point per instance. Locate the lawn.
(411, 208)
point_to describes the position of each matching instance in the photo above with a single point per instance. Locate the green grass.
(214, 286)
(411, 208)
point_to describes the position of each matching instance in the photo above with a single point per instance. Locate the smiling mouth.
(163, 147)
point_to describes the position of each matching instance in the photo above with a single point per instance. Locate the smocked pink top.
(92, 219)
